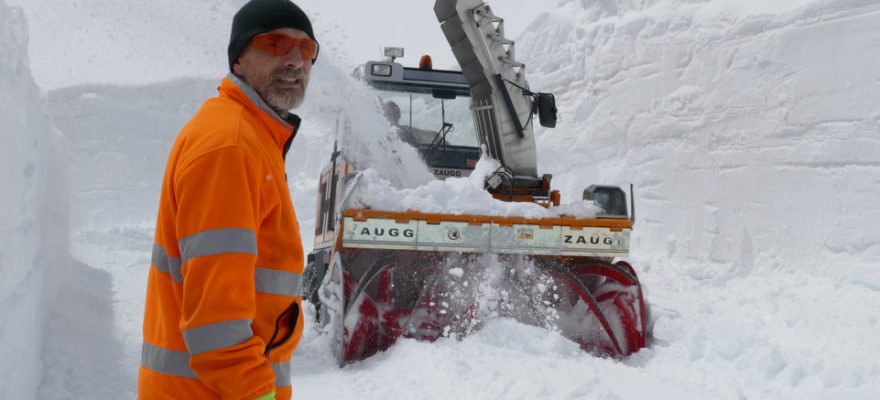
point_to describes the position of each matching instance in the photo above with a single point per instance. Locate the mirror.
(547, 112)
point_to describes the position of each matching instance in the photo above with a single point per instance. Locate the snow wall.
(120, 137)
(34, 250)
(749, 129)
(119, 141)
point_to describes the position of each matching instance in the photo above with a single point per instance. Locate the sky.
(140, 41)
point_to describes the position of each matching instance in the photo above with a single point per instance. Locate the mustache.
(290, 73)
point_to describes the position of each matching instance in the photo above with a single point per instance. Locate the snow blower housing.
(378, 275)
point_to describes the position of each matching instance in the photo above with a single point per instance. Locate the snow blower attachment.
(420, 276)
(378, 275)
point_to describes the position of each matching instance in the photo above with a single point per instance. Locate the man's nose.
(294, 59)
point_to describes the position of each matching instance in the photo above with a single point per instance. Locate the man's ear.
(237, 68)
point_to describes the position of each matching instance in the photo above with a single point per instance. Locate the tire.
(311, 283)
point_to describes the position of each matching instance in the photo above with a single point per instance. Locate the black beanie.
(261, 16)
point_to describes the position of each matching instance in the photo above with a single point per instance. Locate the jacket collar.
(281, 129)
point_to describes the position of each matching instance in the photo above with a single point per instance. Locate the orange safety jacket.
(225, 281)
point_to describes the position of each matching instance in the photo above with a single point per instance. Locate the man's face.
(392, 113)
(280, 80)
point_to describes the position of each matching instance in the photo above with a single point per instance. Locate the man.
(392, 114)
(223, 301)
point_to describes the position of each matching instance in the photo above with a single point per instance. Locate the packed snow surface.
(749, 129)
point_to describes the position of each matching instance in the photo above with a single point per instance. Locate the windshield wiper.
(445, 129)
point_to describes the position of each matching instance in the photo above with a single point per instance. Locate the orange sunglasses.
(279, 44)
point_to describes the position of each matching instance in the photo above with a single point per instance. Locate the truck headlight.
(381, 70)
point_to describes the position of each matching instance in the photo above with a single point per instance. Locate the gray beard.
(285, 101)
(280, 101)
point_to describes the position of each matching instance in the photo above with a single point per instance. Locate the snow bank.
(750, 132)
(119, 140)
(34, 250)
(748, 135)
(121, 136)
(455, 196)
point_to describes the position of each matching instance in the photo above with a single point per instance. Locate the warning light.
(425, 63)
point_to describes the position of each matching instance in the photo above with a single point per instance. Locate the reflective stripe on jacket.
(228, 258)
